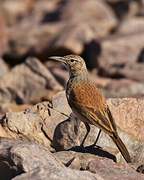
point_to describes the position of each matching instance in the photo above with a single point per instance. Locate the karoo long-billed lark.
(87, 102)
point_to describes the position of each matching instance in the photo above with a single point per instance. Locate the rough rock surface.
(120, 55)
(107, 169)
(46, 173)
(35, 162)
(49, 120)
(3, 35)
(3, 68)
(104, 167)
(24, 156)
(71, 34)
(36, 123)
(131, 26)
(84, 25)
(124, 88)
(24, 160)
(27, 82)
(48, 124)
(132, 137)
(109, 35)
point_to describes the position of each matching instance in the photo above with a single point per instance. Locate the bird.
(88, 103)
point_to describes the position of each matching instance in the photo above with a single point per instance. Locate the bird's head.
(75, 63)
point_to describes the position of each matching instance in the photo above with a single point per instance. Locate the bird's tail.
(122, 148)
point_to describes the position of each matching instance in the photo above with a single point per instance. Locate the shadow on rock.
(94, 150)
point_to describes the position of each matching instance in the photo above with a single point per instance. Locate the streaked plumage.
(88, 103)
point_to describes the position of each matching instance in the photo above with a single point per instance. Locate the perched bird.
(88, 103)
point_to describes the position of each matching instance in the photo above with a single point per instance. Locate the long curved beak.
(57, 58)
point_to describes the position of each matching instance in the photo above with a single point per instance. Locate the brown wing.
(90, 103)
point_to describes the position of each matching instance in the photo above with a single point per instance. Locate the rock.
(45, 173)
(28, 82)
(15, 10)
(125, 8)
(25, 160)
(32, 156)
(124, 88)
(24, 125)
(66, 134)
(132, 25)
(119, 54)
(84, 25)
(140, 169)
(73, 159)
(37, 123)
(59, 72)
(52, 116)
(3, 68)
(53, 28)
(35, 162)
(24, 156)
(12, 107)
(38, 42)
(43, 122)
(3, 36)
(8, 169)
(126, 112)
(107, 169)
(80, 160)
(102, 166)
(120, 88)
(142, 8)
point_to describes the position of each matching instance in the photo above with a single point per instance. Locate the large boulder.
(28, 82)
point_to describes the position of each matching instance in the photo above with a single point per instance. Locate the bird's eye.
(72, 60)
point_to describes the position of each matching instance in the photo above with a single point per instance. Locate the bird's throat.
(77, 78)
(83, 74)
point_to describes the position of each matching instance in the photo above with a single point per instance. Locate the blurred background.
(108, 34)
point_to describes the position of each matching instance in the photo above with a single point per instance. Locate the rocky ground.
(39, 135)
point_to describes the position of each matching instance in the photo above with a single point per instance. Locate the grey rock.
(36, 123)
(27, 82)
(80, 160)
(45, 173)
(66, 134)
(120, 55)
(35, 162)
(24, 125)
(3, 35)
(3, 67)
(131, 26)
(122, 88)
(23, 156)
(129, 126)
(103, 167)
(83, 26)
(107, 169)
(69, 32)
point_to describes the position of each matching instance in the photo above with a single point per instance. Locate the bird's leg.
(94, 144)
(88, 130)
